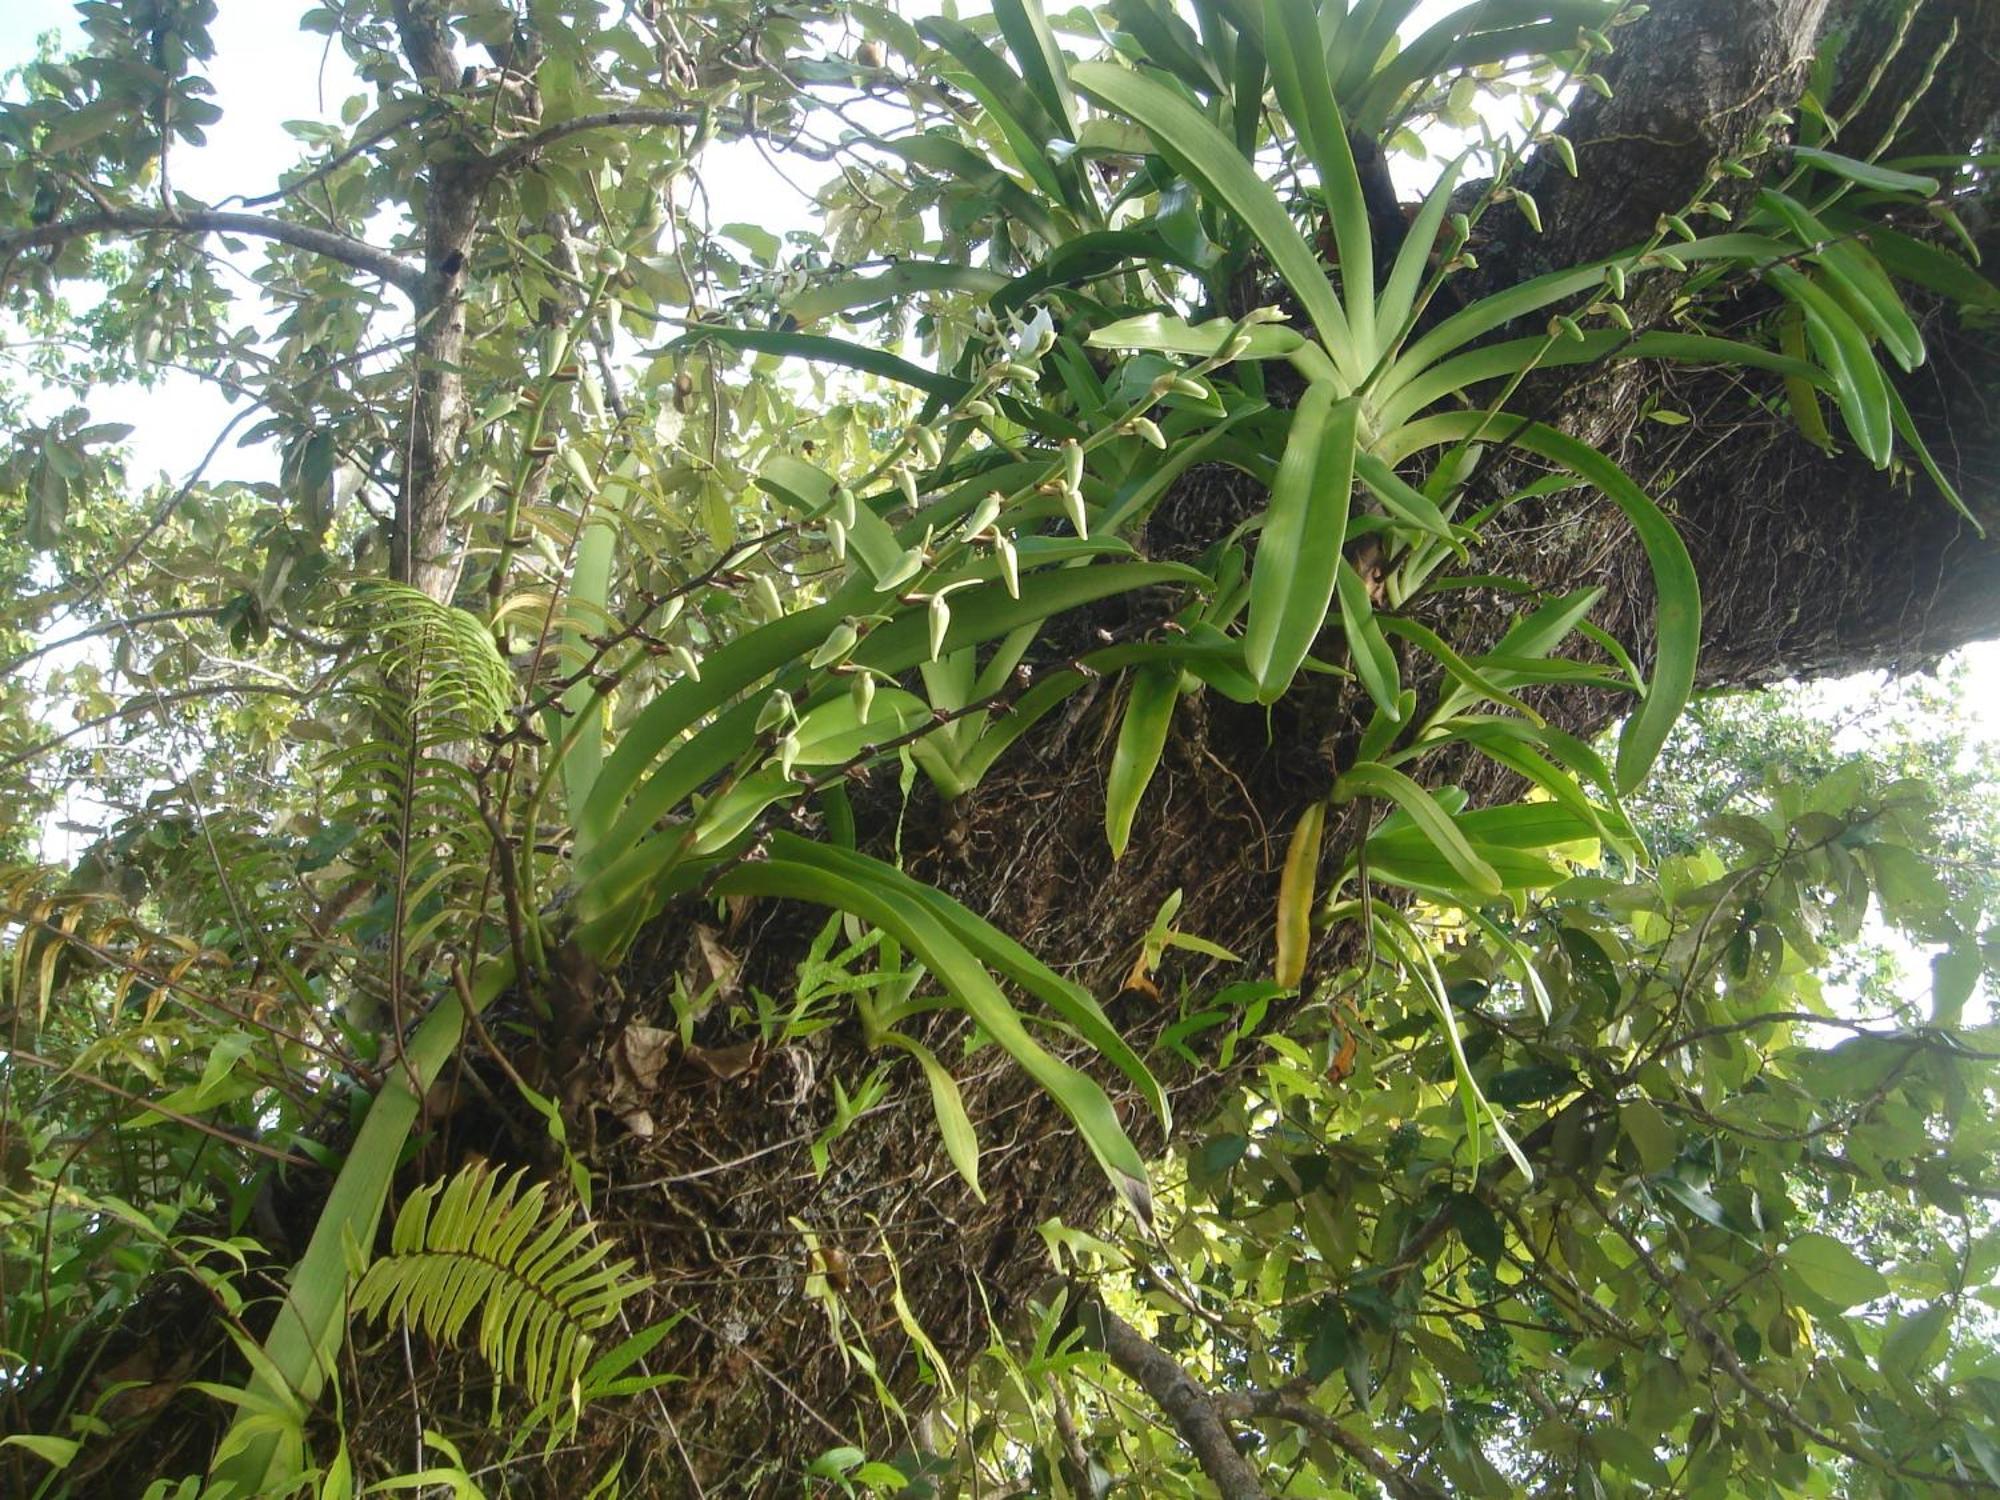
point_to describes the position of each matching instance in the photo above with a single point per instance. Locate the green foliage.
(543, 1289)
(532, 643)
(1757, 1255)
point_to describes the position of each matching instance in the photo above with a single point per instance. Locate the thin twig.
(359, 254)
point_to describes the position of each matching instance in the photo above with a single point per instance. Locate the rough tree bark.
(1810, 565)
(420, 551)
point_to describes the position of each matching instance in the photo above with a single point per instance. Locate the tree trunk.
(1810, 565)
(420, 550)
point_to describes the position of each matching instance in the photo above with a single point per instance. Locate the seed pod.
(1010, 565)
(1148, 429)
(841, 640)
(685, 660)
(940, 613)
(984, 513)
(1072, 457)
(908, 483)
(836, 539)
(670, 612)
(1614, 278)
(1530, 210)
(843, 505)
(928, 446)
(1073, 506)
(764, 595)
(911, 564)
(976, 410)
(1186, 385)
(573, 461)
(777, 710)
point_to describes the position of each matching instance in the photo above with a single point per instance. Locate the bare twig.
(529, 146)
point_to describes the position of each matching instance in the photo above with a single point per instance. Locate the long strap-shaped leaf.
(1206, 157)
(1843, 349)
(951, 156)
(1488, 32)
(1489, 313)
(642, 782)
(1042, 63)
(1298, 72)
(1406, 277)
(1367, 647)
(581, 720)
(1677, 622)
(1025, 125)
(1070, 1001)
(1453, 376)
(1295, 896)
(973, 988)
(1868, 292)
(1372, 779)
(904, 279)
(1298, 553)
(1142, 735)
(305, 1338)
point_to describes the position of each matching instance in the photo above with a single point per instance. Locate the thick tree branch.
(1291, 1407)
(1690, 85)
(345, 249)
(1191, 1409)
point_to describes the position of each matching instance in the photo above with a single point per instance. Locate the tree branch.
(140, 705)
(359, 254)
(1291, 1407)
(1192, 1409)
(420, 549)
(528, 146)
(1724, 1354)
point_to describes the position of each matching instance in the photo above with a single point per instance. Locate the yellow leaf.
(1295, 894)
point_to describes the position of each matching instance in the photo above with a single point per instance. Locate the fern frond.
(478, 1243)
(445, 657)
